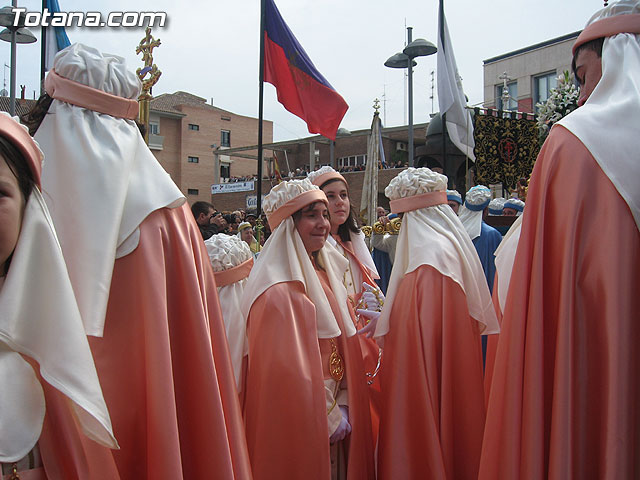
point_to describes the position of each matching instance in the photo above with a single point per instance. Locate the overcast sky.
(211, 48)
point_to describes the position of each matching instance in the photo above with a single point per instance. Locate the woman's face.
(11, 210)
(247, 235)
(339, 206)
(313, 226)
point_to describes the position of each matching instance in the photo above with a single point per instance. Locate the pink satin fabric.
(492, 344)
(415, 202)
(284, 410)
(608, 27)
(360, 442)
(565, 388)
(20, 138)
(90, 98)
(368, 346)
(164, 368)
(234, 274)
(433, 401)
(295, 204)
(324, 178)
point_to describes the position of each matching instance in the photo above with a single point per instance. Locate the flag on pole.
(451, 98)
(301, 88)
(276, 168)
(375, 154)
(56, 37)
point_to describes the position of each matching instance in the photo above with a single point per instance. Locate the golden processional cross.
(146, 46)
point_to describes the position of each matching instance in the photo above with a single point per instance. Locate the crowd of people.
(141, 339)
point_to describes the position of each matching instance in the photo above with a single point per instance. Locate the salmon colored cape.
(433, 401)
(566, 389)
(368, 346)
(164, 368)
(492, 344)
(285, 409)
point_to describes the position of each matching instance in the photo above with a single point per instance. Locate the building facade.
(531, 73)
(184, 131)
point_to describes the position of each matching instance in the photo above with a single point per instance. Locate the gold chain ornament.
(336, 364)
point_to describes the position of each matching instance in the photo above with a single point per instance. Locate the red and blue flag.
(301, 88)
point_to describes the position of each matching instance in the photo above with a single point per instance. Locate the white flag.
(451, 99)
(375, 154)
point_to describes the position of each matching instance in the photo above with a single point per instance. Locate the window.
(352, 161)
(154, 128)
(513, 96)
(192, 191)
(194, 127)
(542, 86)
(225, 138)
(193, 159)
(225, 170)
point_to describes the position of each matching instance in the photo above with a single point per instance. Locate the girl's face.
(339, 206)
(313, 226)
(11, 210)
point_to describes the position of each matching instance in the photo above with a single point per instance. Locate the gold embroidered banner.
(506, 149)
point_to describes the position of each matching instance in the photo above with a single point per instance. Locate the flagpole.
(260, 108)
(443, 117)
(43, 50)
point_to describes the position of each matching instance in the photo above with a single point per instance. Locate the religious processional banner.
(506, 148)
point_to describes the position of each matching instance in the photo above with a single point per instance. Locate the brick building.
(183, 132)
(532, 73)
(349, 156)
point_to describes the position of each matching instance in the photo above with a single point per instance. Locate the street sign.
(232, 187)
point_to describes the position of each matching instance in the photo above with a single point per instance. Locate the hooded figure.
(306, 406)
(437, 306)
(565, 387)
(42, 340)
(144, 286)
(232, 261)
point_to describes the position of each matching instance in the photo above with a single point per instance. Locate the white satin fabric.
(362, 253)
(426, 238)
(100, 180)
(505, 256)
(235, 325)
(471, 221)
(284, 259)
(608, 124)
(39, 318)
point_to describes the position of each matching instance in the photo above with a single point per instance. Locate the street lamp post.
(14, 34)
(415, 48)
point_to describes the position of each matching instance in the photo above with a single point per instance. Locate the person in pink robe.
(565, 390)
(437, 305)
(306, 406)
(144, 285)
(346, 237)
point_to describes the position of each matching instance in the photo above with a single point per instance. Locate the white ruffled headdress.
(476, 200)
(449, 250)
(285, 259)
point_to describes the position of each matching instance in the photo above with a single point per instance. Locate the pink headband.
(325, 177)
(234, 274)
(415, 202)
(90, 98)
(608, 27)
(295, 204)
(20, 138)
